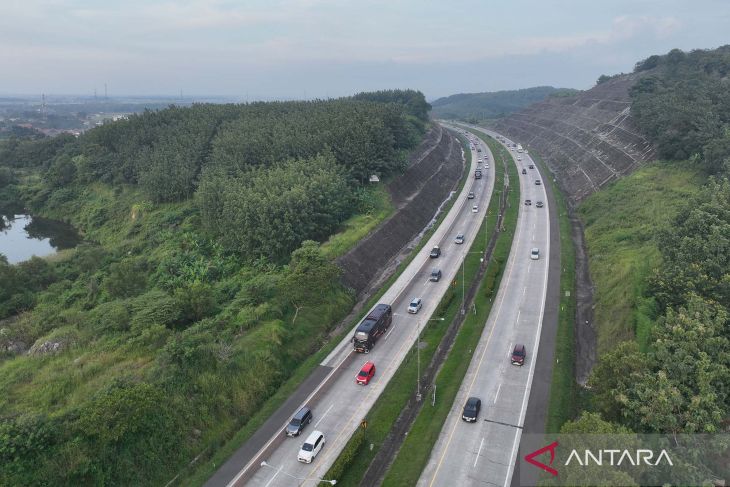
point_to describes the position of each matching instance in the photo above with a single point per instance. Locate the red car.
(366, 373)
(518, 355)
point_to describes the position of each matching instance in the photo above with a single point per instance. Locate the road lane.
(483, 453)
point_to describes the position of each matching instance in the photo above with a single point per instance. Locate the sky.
(294, 49)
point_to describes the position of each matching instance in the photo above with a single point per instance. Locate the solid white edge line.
(251, 462)
(523, 410)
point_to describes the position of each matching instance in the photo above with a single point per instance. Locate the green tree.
(126, 278)
(613, 376)
(309, 277)
(62, 172)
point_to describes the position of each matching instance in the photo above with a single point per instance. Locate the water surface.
(23, 236)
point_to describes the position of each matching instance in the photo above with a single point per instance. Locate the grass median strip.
(352, 464)
(416, 450)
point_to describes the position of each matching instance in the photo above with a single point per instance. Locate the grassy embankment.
(356, 228)
(620, 223)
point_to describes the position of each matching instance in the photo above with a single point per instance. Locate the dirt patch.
(585, 333)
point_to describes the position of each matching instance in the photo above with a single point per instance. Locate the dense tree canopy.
(683, 106)
(201, 287)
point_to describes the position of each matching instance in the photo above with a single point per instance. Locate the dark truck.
(478, 174)
(374, 325)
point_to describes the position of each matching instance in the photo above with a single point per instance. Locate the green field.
(620, 223)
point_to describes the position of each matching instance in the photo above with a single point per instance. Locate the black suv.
(471, 409)
(435, 252)
(299, 421)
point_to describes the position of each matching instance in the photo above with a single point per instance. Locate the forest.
(678, 381)
(200, 287)
(476, 107)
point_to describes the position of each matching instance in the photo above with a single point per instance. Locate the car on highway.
(435, 275)
(531, 166)
(415, 305)
(519, 158)
(435, 252)
(538, 182)
(301, 419)
(539, 204)
(528, 202)
(486, 166)
(311, 447)
(518, 355)
(471, 409)
(470, 196)
(475, 209)
(459, 239)
(535, 253)
(524, 171)
(366, 373)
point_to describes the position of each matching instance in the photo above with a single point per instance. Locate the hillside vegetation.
(200, 288)
(621, 224)
(660, 253)
(474, 107)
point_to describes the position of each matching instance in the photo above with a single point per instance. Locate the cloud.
(626, 27)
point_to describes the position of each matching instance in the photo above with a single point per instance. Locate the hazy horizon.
(304, 49)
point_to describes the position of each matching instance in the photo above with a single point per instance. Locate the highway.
(484, 452)
(338, 404)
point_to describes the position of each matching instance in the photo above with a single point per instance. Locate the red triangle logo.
(530, 458)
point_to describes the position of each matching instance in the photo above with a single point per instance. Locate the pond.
(23, 236)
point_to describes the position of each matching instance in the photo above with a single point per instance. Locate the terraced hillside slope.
(434, 171)
(588, 139)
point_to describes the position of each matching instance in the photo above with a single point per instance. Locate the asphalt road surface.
(339, 405)
(484, 452)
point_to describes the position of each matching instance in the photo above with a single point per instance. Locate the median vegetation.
(201, 286)
(416, 449)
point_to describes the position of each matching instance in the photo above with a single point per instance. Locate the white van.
(311, 447)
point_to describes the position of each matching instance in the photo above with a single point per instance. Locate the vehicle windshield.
(414, 303)
(295, 422)
(307, 447)
(518, 353)
(363, 373)
(361, 336)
